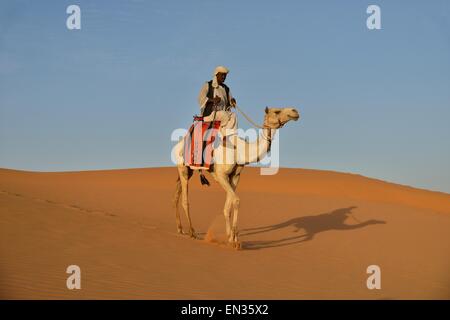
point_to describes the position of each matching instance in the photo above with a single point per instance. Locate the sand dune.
(305, 234)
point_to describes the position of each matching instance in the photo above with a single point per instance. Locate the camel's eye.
(277, 111)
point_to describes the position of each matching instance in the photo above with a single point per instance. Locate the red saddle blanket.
(198, 143)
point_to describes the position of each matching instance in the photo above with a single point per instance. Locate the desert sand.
(306, 234)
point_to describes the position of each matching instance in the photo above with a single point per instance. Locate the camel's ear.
(267, 110)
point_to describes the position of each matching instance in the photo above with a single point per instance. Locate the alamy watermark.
(74, 280)
(374, 280)
(373, 22)
(73, 21)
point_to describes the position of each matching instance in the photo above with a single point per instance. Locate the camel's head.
(277, 117)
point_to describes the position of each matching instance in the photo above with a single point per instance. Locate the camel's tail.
(203, 179)
(177, 193)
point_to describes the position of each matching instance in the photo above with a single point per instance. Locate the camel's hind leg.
(176, 200)
(184, 174)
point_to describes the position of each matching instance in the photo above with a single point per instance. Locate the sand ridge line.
(59, 204)
(78, 208)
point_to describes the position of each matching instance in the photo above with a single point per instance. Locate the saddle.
(199, 143)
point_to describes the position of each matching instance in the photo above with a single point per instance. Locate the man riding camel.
(216, 101)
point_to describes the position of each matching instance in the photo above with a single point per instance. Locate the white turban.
(220, 69)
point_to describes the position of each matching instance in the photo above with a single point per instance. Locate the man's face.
(221, 77)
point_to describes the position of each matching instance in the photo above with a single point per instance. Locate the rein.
(257, 125)
(269, 138)
(250, 120)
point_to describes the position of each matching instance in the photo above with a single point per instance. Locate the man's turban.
(220, 69)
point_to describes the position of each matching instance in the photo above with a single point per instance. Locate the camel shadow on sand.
(310, 225)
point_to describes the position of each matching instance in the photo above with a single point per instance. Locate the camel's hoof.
(180, 230)
(236, 245)
(192, 234)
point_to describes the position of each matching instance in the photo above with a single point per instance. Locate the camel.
(226, 169)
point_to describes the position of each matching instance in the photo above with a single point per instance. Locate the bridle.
(269, 138)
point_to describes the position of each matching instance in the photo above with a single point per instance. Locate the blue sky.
(109, 95)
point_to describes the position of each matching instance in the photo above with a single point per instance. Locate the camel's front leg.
(227, 206)
(227, 215)
(233, 202)
(234, 231)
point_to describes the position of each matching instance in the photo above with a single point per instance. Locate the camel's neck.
(259, 148)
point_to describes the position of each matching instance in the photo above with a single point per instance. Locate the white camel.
(227, 173)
